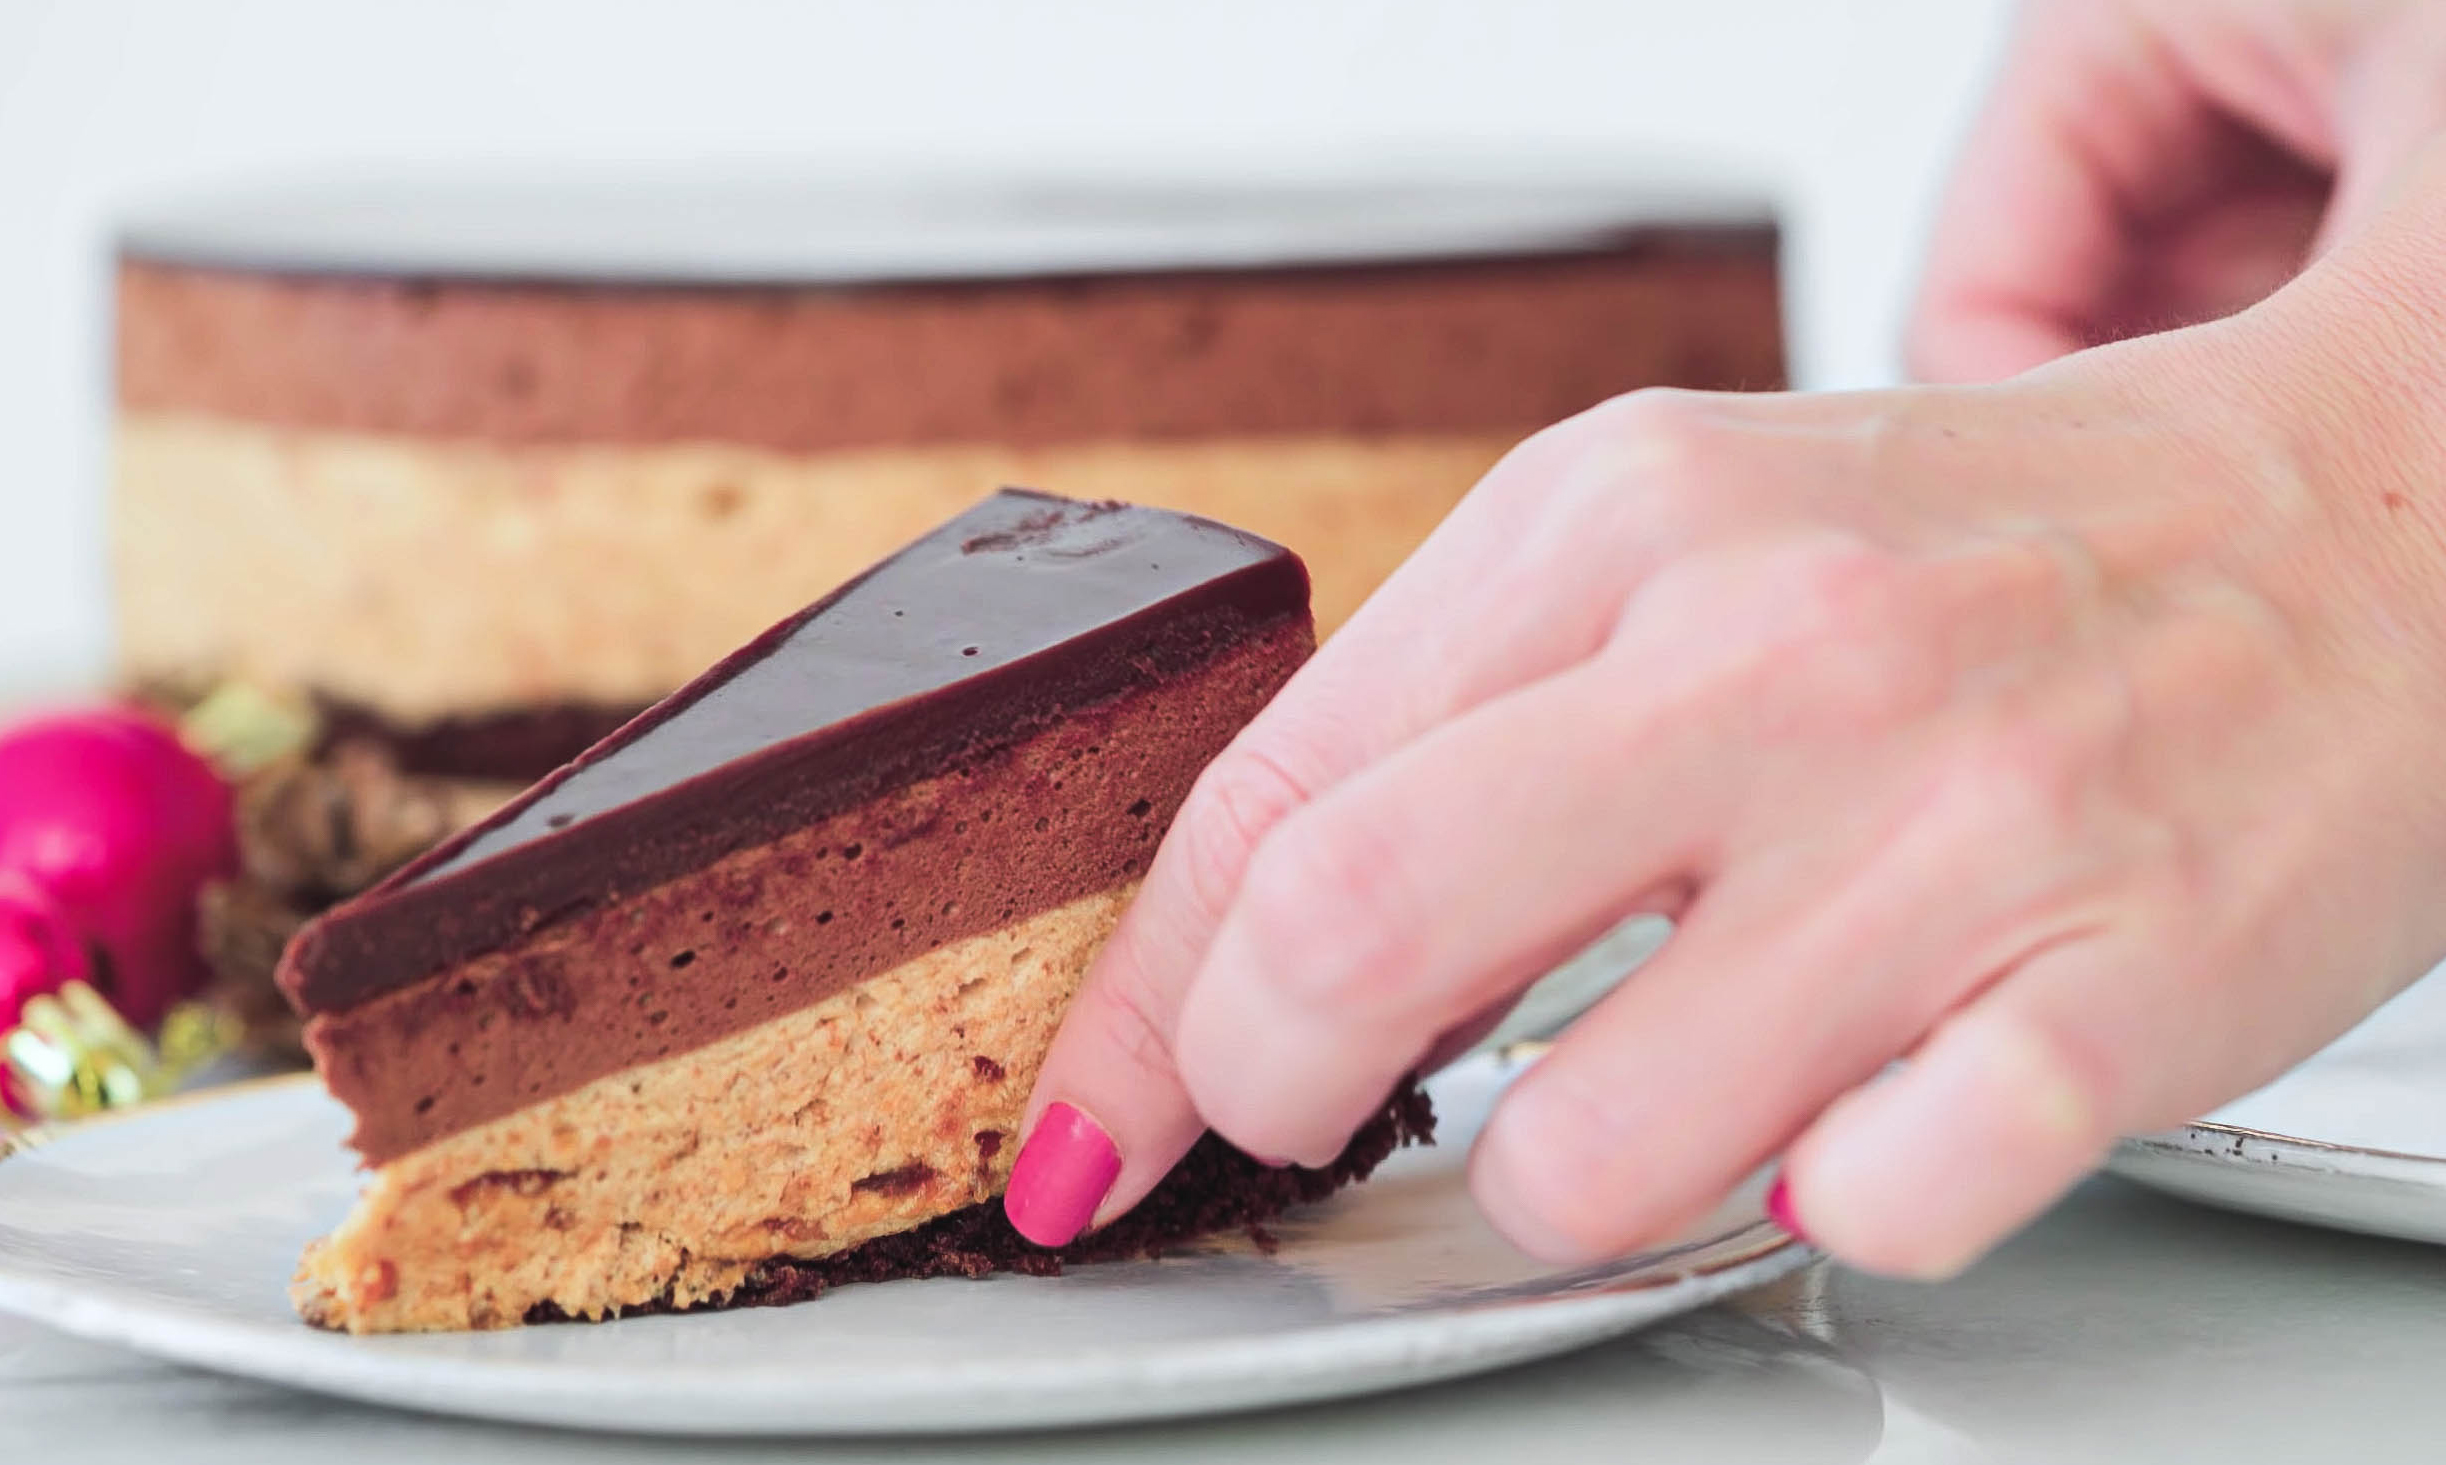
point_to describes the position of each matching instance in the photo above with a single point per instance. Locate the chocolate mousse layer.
(1003, 717)
(1457, 346)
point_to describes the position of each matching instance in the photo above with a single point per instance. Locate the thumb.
(2390, 101)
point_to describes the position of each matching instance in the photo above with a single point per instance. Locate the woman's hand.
(2144, 164)
(2081, 739)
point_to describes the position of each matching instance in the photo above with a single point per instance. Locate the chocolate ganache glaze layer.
(1024, 609)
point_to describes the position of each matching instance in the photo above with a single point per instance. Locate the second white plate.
(2293, 1179)
(2354, 1138)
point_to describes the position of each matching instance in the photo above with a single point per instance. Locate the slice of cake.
(748, 999)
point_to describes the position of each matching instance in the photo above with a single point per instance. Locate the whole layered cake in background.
(487, 470)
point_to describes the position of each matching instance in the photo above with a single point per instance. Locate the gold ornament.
(243, 728)
(72, 1054)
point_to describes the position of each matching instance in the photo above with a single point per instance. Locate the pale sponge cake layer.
(666, 1184)
(424, 581)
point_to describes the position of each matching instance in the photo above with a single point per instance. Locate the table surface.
(2123, 1327)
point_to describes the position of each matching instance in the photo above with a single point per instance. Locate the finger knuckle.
(1130, 1019)
(1667, 417)
(1655, 457)
(2019, 783)
(1667, 448)
(1841, 590)
(1325, 901)
(2068, 1078)
(1229, 812)
(1563, 1177)
(1845, 641)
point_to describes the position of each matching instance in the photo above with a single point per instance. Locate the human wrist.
(2358, 348)
(2331, 396)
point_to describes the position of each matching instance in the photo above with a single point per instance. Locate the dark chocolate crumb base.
(1214, 1188)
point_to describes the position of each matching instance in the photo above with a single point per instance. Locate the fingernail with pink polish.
(1062, 1174)
(1779, 1208)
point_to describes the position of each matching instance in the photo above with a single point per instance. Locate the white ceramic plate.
(174, 1231)
(2354, 1138)
(2293, 1179)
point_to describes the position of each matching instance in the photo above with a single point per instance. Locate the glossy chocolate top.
(982, 632)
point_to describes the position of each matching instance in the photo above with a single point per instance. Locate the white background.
(1849, 109)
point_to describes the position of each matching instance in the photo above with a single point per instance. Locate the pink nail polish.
(1061, 1176)
(1779, 1208)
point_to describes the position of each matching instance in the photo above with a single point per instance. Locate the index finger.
(1495, 599)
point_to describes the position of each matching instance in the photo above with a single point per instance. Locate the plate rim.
(40, 1134)
(2216, 1142)
(1180, 1378)
(1182, 1381)
(2351, 1189)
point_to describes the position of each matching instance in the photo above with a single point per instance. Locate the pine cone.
(242, 927)
(312, 834)
(323, 830)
